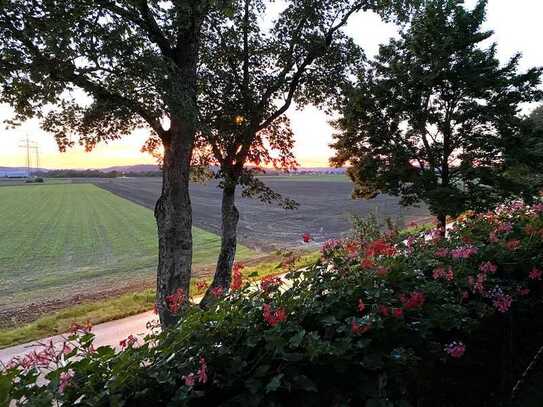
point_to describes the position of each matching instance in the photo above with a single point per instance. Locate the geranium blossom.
(442, 273)
(442, 252)
(236, 276)
(273, 317)
(217, 292)
(415, 300)
(397, 312)
(128, 342)
(464, 252)
(202, 371)
(269, 283)
(307, 237)
(535, 274)
(488, 267)
(175, 300)
(455, 349)
(380, 248)
(65, 380)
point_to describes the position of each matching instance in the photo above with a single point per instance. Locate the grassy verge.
(125, 305)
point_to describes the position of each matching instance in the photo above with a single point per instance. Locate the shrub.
(403, 321)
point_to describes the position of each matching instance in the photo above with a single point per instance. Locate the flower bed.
(417, 320)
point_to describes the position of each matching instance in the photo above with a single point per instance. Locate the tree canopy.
(430, 119)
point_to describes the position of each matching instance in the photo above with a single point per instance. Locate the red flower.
(175, 300)
(383, 310)
(236, 276)
(380, 248)
(273, 317)
(397, 312)
(414, 300)
(361, 305)
(269, 283)
(359, 329)
(307, 237)
(367, 263)
(535, 274)
(128, 342)
(351, 248)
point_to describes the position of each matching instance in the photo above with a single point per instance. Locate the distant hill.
(140, 168)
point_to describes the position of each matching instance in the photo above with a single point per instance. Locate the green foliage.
(433, 118)
(371, 324)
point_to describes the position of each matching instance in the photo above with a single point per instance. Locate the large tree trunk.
(442, 223)
(225, 261)
(173, 215)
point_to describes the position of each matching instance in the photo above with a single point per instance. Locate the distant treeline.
(95, 174)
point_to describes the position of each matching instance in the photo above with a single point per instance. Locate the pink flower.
(488, 267)
(202, 372)
(464, 252)
(273, 317)
(217, 292)
(189, 379)
(523, 291)
(442, 252)
(307, 237)
(445, 274)
(503, 302)
(455, 349)
(65, 380)
(480, 283)
(535, 274)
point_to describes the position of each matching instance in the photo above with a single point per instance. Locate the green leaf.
(274, 383)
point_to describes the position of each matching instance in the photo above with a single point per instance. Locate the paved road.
(108, 333)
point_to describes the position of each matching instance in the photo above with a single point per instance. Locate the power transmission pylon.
(27, 144)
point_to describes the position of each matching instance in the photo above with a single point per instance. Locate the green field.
(62, 240)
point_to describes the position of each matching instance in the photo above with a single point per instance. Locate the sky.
(516, 26)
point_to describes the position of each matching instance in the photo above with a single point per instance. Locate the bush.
(413, 321)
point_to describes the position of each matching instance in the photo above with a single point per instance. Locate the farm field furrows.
(60, 241)
(325, 211)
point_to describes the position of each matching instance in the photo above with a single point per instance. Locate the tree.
(96, 70)
(251, 75)
(431, 118)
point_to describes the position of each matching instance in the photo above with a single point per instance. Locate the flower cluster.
(455, 349)
(273, 317)
(175, 300)
(236, 276)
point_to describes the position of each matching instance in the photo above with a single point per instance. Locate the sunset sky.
(517, 27)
